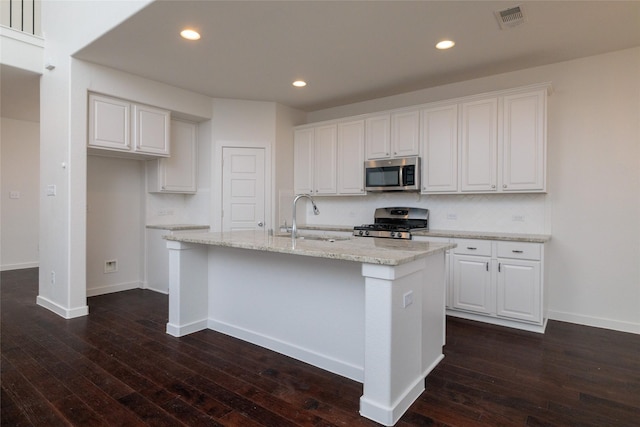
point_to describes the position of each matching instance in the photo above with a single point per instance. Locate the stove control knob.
(366, 233)
(361, 232)
(393, 234)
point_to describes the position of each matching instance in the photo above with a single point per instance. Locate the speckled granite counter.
(177, 227)
(358, 249)
(454, 234)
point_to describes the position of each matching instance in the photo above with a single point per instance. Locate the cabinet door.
(479, 145)
(109, 125)
(440, 149)
(351, 157)
(472, 290)
(180, 170)
(303, 161)
(151, 130)
(523, 143)
(378, 137)
(519, 290)
(405, 133)
(326, 149)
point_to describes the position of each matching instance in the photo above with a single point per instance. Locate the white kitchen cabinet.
(378, 137)
(118, 125)
(303, 153)
(325, 161)
(109, 123)
(405, 133)
(329, 159)
(439, 149)
(479, 145)
(524, 141)
(151, 130)
(178, 173)
(519, 281)
(351, 157)
(498, 282)
(472, 284)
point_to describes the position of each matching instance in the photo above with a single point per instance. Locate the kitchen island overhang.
(368, 309)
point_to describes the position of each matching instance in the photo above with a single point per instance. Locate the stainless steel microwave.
(401, 174)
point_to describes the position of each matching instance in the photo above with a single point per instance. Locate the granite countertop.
(359, 249)
(455, 234)
(178, 227)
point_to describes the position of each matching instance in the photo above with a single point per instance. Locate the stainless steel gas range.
(394, 223)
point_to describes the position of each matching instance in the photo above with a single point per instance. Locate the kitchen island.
(368, 309)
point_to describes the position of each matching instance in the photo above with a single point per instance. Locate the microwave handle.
(401, 177)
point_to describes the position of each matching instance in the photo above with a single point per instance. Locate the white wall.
(115, 223)
(592, 208)
(20, 172)
(239, 123)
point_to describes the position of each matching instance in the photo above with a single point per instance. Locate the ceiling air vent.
(511, 17)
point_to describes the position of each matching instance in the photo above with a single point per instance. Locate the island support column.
(398, 354)
(188, 288)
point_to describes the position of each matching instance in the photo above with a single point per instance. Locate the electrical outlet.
(452, 216)
(407, 299)
(53, 277)
(110, 266)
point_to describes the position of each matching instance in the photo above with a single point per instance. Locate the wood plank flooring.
(117, 367)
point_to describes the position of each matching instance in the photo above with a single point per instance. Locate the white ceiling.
(348, 51)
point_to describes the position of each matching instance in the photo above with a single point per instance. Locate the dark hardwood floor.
(117, 367)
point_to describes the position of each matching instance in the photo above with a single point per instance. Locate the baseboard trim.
(596, 322)
(322, 361)
(109, 289)
(67, 313)
(499, 321)
(19, 266)
(180, 331)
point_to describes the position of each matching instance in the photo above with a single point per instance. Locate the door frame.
(215, 219)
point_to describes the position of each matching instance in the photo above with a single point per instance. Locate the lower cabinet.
(499, 282)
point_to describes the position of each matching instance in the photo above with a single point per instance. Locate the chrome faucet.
(294, 225)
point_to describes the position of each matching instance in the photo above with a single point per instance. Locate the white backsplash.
(508, 213)
(169, 208)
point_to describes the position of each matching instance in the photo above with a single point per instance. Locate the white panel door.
(405, 133)
(243, 188)
(326, 146)
(109, 125)
(519, 295)
(479, 145)
(440, 149)
(351, 157)
(303, 161)
(472, 289)
(151, 130)
(180, 170)
(523, 156)
(378, 137)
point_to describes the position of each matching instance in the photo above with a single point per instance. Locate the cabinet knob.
(493, 186)
(260, 224)
(504, 185)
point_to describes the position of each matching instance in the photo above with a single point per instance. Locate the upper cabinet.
(329, 159)
(440, 149)
(121, 126)
(178, 173)
(524, 130)
(392, 135)
(479, 145)
(490, 143)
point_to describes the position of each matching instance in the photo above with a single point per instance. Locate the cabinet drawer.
(473, 247)
(519, 250)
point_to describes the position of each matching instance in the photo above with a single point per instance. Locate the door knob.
(260, 224)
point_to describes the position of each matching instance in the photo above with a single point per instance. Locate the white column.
(188, 288)
(393, 365)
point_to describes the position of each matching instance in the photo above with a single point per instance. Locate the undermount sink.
(319, 238)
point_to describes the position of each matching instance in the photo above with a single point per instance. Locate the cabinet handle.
(487, 265)
(515, 251)
(471, 249)
(499, 264)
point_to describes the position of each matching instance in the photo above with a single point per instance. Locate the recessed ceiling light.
(190, 34)
(299, 83)
(445, 44)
